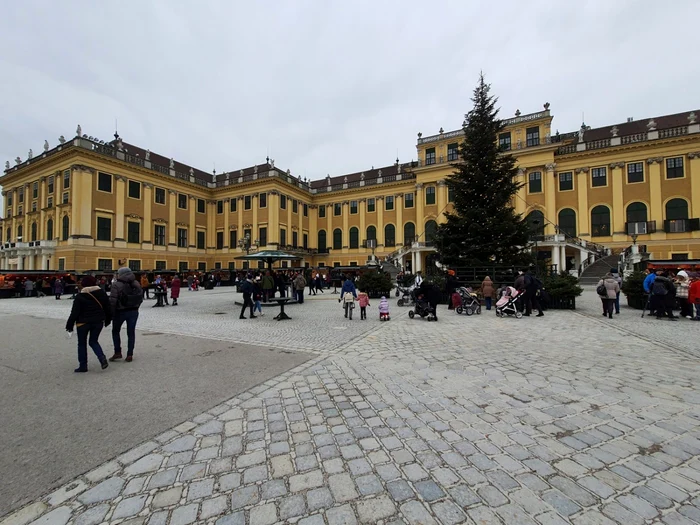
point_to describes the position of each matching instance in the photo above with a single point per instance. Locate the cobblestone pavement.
(560, 419)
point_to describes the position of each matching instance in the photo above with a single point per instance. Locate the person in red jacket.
(694, 296)
(175, 289)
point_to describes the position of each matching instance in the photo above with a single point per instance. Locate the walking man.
(125, 298)
(299, 285)
(248, 288)
(268, 286)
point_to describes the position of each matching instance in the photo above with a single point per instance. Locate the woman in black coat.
(91, 311)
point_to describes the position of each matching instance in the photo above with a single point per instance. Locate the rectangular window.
(247, 202)
(371, 205)
(306, 241)
(61, 264)
(262, 236)
(504, 141)
(134, 189)
(202, 266)
(104, 229)
(353, 207)
(159, 196)
(295, 239)
(217, 266)
(321, 211)
(182, 237)
(66, 179)
(262, 200)
(201, 239)
(452, 152)
(233, 205)
(133, 232)
(9, 198)
(20, 195)
(104, 265)
(408, 200)
(50, 185)
(283, 237)
(182, 201)
(337, 209)
(679, 256)
(635, 172)
(104, 182)
(429, 156)
(566, 181)
(49, 202)
(599, 177)
(35, 190)
(134, 264)
(159, 235)
(161, 265)
(201, 206)
(233, 238)
(535, 182)
(674, 168)
(220, 240)
(20, 210)
(283, 202)
(430, 195)
(389, 203)
(306, 210)
(219, 207)
(66, 196)
(532, 136)
(232, 265)
(34, 206)
(182, 266)
(295, 206)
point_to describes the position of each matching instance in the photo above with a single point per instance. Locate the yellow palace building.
(86, 204)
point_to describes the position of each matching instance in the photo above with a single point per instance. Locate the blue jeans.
(120, 316)
(488, 302)
(697, 310)
(617, 303)
(93, 331)
(300, 296)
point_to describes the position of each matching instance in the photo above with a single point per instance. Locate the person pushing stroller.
(348, 294)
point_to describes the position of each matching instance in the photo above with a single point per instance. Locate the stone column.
(441, 200)
(192, 233)
(300, 216)
(121, 200)
(289, 220)
(398, 202)
(211, 224)
(562, 257)
(147, 233)
(420, 210)
(42, 205)
(20, 262)
(555, 257)
(550, 196)
(329, 225)
(273, 223)
(26, 236)
(618, 204)
(227, 228)
(44, 261)
(313, 226)
(583, 216)
(30, 261)
(363, 221)
(694, 176)
(521, 197)
(655, 198)
(379, 206)
(255, 201)
(346, 229)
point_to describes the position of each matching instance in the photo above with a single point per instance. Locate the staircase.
(593, 273)
(391, 269)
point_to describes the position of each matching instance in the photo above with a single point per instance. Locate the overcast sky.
(329, 86)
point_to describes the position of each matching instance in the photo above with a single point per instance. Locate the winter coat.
(363, 299)
(175, 288)
(384, 306)
(611, 287)
(682, 289)
(268, 282)
(247, 287)
(348, 287)
(58, 287)
(91, 305)
(28, 285)
(519, 283)
(648, 281)
(694, 292)
(487, 288)
(299, 282)
(120, 287)
(144, 281)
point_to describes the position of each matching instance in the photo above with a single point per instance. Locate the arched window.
(409, 233)
(676, 216)
(49, 230)
(389, 235)
(567, 222)
(65, 228)
(371, 233)
(637, 218)
(600, 221)
(33, 232)
(20, 231)
(535, 222)
(430, 231)
(322, 241)
(354, 237)
(337, 239)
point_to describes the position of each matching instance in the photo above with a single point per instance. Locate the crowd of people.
(667, 290)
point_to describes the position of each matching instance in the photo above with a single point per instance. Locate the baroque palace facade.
(90, 205)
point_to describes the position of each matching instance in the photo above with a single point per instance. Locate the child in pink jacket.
(363, 299)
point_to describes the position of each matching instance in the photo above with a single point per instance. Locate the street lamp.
(245, 243)
(634, 238)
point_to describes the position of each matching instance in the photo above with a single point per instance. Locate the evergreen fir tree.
(484, 227)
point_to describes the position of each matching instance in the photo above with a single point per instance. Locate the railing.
(640, 227)
(597, 144)
(564, 150)
(673, 132)
(632, 139)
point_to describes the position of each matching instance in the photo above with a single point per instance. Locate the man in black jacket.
(125, 297)
(91, 310)
(248, 289)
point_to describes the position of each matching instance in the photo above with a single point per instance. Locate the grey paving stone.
(319, 499)
(513, 514)
(129, 507)
(108, 489)
(369, 484)
(254, 474)
(235, 518)
(492, 496)
(561, 503)
(448, 513)
(304, 463)
(342, 515)
(416, 514)
(93, 515)
(229, 481)
(163, 479)
(200, 489)
(429, 490)
(292, 507)
(618, 513)
(166, 498)
(59, 516)
(181, 444)
(400, 490)
(342, 487)
(196, 470)
(213, 507)
(245, 496)
(375, 509)
(308, 480)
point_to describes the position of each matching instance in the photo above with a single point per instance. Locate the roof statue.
(692, 118)
(651, 125)
(581, 132)
(255, 168)
(172, 163)
(7, 165)
(30, 154)
(46, 145)
(18, 160)
(61, 139)
(79, 131)
(191, 172)
(614, 131)
(148, 154)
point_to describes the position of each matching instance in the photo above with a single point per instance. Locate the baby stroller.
(507, 305)
(407, 298)
(468, 301)
(423, 309)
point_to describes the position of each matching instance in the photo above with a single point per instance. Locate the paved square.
(569, 418)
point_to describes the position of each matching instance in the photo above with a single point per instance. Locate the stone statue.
(546, 106)
(79, 131)
(148, 154)
(379, 173)
(18, 161)
(172, 163)
(272, 163)
(7, 165)
(581, 132)
(517, 112)
(30, 154)
(345, 180)
(240, 173)
(362, 176)
(62, 139)
(692, 118)
(255, 168)
(191, 172)
(651, 125)
(519, 144)
(614, 131)
(46, 145)
(441, 130)
(289, 172)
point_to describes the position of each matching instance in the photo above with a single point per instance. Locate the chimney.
(630, 119)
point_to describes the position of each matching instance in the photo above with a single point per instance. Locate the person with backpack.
(663, 297)
(125, 298)
(348, 294)
(90, 312)
(607, 290)
(532, 286)
(299, 284)
(647, 284)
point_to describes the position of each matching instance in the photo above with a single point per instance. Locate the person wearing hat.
(90, 312)
(125, 297)
(682, 283)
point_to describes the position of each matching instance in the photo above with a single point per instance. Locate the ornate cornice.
(160, 221)
(120, 178)
(313, 206)
(655, 160)
(81, 167)
(227, 199)
(614, 165)
(192, 197)
(441, 183)
(42, 179)
(172, 192)
(211, 202)
(522, 171)
(694, 155)
(419, 186)
(380, 198)
(550, 166)
(274, 192)
(134, 216)
(147, 185)
(582, 170)
(182, 224)
(233, 227)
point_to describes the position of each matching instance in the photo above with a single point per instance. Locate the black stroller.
(408, 297)
(423, 307)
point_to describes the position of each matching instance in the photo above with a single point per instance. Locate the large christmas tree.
(483, 228)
